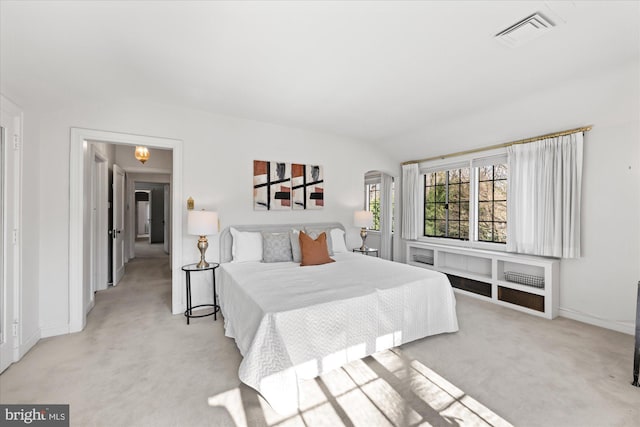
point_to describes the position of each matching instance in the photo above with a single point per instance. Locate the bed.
(292, 323)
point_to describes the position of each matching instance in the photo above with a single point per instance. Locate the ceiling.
(368, 70)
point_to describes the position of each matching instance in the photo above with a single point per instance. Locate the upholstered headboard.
(226, 241)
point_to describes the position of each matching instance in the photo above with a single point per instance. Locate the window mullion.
(446, 204)
(473, 204)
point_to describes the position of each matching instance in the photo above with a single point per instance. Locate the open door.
(156, 218)
(118, 224)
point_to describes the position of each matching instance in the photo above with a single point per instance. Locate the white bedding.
(292, 323)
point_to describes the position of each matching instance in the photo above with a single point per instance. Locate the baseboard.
(625, 328)
(90, 306)
(28, 344)
(54, 331)
(180, 310)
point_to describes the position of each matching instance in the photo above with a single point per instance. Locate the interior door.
(117, 233)
(156, 234)
(7, 248)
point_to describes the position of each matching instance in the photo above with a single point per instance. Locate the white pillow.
(247, 246)
(337, 238)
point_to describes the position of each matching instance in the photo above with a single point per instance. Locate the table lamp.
(202, 223)
(363, 219)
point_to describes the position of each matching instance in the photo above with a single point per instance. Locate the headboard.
(226, 241)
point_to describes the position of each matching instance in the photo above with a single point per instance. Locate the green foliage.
(374, 207)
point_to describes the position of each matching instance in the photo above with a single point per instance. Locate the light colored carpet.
(137, 365)
(144, 249)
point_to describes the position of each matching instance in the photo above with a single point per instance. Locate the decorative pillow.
(294, 236)
(314, 252)
(247, 246)
(276, 247)
(315, 232)
(338, 242)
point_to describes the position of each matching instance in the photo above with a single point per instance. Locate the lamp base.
(203, 244)
(363, 235)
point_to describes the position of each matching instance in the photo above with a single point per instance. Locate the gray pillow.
(276, 247)
(315, 232)
(294, 236)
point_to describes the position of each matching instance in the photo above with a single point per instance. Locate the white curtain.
(386, 216)
(410, 195)
(543, 197)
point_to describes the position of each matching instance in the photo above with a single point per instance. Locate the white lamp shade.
(202, 223)
(363, 219)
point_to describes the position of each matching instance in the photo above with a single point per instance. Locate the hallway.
(144, 249)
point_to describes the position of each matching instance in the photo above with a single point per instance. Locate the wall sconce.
(142, 154)
(190, 204)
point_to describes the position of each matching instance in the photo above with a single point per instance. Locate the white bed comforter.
(292, 323)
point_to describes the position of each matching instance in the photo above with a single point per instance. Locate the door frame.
(78, 166)
(13, 216)
(99, 224)
(136, 212)
(167, 218)
(150, 218)
(119, 203)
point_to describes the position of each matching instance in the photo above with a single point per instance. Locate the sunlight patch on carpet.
(385, 389)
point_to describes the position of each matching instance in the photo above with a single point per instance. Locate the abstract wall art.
(286, 186)
(307, 186)
(271, 186)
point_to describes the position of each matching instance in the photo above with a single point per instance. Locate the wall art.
(271, 186)
(307, 186)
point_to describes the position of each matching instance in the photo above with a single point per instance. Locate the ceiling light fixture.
(142, 154)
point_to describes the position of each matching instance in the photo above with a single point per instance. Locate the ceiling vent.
(528, 29)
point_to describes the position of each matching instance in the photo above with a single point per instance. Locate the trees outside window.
(373, 203)
(451, 194)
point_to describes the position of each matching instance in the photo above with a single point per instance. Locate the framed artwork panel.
(307, 186)
(271, 185)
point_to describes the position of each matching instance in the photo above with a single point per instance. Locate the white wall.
(162, 178)
(218, 161)
(600, 287)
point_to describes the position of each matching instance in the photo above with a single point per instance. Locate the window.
(372, 203)
(446, 204)
(467, 202)
(492, 203)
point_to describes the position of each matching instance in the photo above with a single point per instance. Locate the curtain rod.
(505, 144)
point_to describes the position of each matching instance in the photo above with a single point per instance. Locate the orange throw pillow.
(314, 252)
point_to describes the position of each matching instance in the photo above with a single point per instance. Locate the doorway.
(150, 206)
(143, 214)
(79, 272)
(131, 218)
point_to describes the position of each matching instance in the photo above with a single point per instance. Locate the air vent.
(528, 29)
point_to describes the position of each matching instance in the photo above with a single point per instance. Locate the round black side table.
(188, 313)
